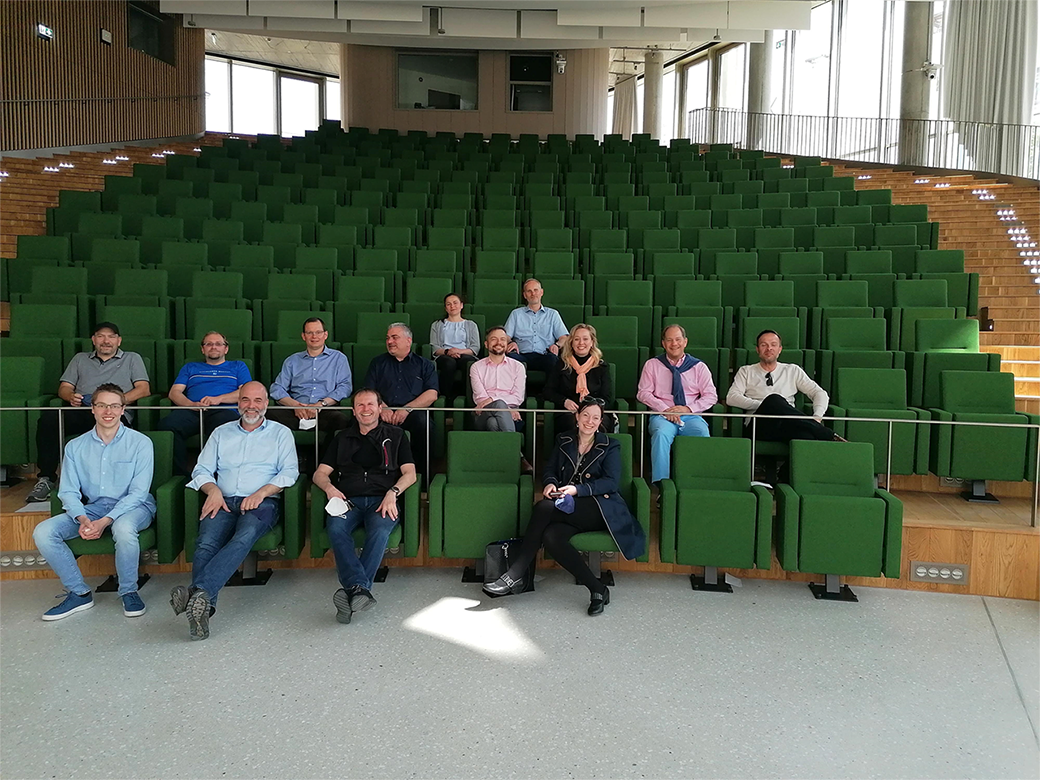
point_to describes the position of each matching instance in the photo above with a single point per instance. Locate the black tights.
(554, 529)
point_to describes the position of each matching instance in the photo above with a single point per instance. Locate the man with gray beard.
(243, 467)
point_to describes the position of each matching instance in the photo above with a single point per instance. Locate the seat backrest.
(496, 291)
(217, 284)
(977, 392)
(184, 253)
(565, 292)
(841, 293)
(235, 325)
(613, 263)
(42, 320)
(138, 322)
(427, 289)
(672, 264)
(361, 288)
(920, 292)
(251, 256)
(623, 292)
(483, 457)
(758, 293)
(939, 261)
(868, 261)
(717, 463)
(855, 334)
(700, 331)
(736, 263)
(295, 287)
(372, 326)
(801, 263)
(691, 292)
(44, 248)
(23, 376)
(947, 335)
(616, 331)
(824, 468)
(789, 328)
(45, 279)
(162, 467)
(870, 388)
(142, 281)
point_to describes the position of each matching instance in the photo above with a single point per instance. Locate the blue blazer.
(598, 478)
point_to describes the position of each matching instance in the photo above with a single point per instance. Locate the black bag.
(499, 556)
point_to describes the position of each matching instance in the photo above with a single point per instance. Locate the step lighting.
(4, 174)
(168, 151)
(921, 181)
(66, 165)
(196, 149)
(122, 158)
(942, 184)
(160, 156)
(865, 176)
(110, 162)
(50, 169)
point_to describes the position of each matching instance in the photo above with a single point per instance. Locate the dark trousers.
(554, 529)
(536, 361)
(329, 420)
(451, 383)
(184, 423)
(76, 420)
(798, 426)
(417, 426)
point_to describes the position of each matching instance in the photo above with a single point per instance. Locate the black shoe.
(360, 598)
(598, 601)
(179, 599)
(198, 609)
(504, 586)
(342, 602)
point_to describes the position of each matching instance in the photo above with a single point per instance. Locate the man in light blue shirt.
(317, 376)
(241, 470)
(105, 480)
(535, 332)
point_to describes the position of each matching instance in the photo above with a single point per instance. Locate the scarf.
(678, 394)
(581, 384)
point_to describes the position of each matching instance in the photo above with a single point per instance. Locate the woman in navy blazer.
(580, 485)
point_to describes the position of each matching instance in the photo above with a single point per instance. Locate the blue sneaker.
(132, 605)
(72, 604)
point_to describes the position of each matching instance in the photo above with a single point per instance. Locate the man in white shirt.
(769, 387)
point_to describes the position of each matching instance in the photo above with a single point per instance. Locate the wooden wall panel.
(76, 90)
(579, 101)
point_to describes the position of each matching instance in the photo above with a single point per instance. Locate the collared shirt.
(119, 473)
(309, 379)
(401, 381)
(655, 387)
(749, 387)
(205, 379)
(505, 381)
(535, 331)
(86, 372)
(241, 462)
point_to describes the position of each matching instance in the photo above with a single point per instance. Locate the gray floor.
(437, 682)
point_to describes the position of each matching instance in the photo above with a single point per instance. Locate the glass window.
(862, 45)
(938, 33)
(300, 109)
(333, 100)
(252, 100)
(668, 102)
(732, 78)
(530, 81)
(812, 64)
(777, 70)
(151, 32)
(445, 80)
(609, 127)
(218, 96)
(696, 92)
(638, 124)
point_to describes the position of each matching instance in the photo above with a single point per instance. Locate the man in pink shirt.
(680, 387)
(498, 385)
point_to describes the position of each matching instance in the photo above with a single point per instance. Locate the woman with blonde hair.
(581, 372)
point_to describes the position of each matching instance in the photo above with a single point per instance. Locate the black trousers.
(798, 426)
(554, 529)
(452, 384)
(76, 420)
(417, 426)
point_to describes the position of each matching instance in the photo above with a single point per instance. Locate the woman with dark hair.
(580, 372)
(455, 343)
(580, 489)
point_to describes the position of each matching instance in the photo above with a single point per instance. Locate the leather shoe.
(598, 601)
(504, 586)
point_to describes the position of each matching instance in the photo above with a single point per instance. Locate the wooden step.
(1022, 369)
(1011, 352)
(1008, 338)
(1027, 405)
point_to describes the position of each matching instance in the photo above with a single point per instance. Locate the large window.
(733, 78)
(218, 95)
(252, 99)
(668, 101)
(301, 105)
(445, 80)
(812, 64)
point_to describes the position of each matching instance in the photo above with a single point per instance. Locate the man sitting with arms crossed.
(679, 386)
(85, 372)
(211, 385)
(536, 332)
(243, 466)
(317, 376)
(372, 463)
(769, 387)
(498, 384)
(105, 481)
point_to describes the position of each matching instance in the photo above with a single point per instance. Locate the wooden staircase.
(976, 213)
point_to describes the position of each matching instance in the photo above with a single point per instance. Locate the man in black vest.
(366, 468)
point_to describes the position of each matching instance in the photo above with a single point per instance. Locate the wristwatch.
(323, 402)
(396, 490)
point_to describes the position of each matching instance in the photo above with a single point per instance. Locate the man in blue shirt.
(211, 385)
(535, 332)
(105, 480)
(318, 376)
(243, 466)
(409, 381)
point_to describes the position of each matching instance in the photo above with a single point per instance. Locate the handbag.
(499, 556)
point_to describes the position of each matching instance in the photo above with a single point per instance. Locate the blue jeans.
(351, 569)
(663, 433)
(226, 539)
(184, 423)
(50, 536)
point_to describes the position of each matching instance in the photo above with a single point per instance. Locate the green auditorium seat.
(839, 298)
(804, 269)
(711, 514)
(24, 385)
(665, 269)
(873, 266)
(980, 453)
(405, 537)
(382, 263)
(944, 345)
(831, 519)
(703, 298)
(881, 392)
(902, 241)
(917, 299)
(344, 239)
(834, 242)
(633, 298)
(948, 264)
(618, 338)
(354, 295)
(481, 498)
(854, 342)
(495, 298)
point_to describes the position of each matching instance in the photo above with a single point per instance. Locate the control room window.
(530, 82)
(444, 80)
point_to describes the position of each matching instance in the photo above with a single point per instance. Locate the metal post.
(754, 434)
(427, 473)
(888, 464)
(317, 435)
(202, 434)
(61, 435)
(642, 445)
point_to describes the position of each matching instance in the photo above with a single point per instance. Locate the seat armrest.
(642, 496)
(192, 507)
(891, 554)
(763, 527)
(526, 499)
(787, 516)
(669, 510)
(410, 531)
(294, 517)
(436, 528)
(317, 520)
(169, 518)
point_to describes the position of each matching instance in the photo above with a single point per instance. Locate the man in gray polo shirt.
(85, 372)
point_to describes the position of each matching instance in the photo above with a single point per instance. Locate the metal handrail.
(983, 147)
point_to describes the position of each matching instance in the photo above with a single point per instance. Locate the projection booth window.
(445, 80)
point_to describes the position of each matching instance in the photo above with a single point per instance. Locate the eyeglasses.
(108, 406)
(769, 379)
(214, 343)
(314, 332)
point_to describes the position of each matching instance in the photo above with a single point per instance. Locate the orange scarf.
(581, 385)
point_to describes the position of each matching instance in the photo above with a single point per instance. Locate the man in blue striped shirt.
(105, 480)
(241, 470)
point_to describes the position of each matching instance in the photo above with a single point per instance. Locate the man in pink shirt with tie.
(680, 387)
